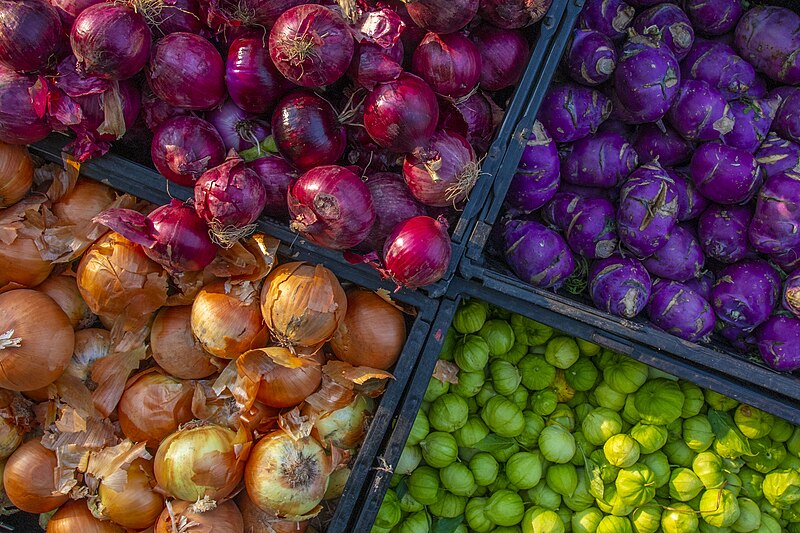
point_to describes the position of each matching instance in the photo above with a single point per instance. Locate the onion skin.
(253, 82)
(442, 16)
(64, 291)
(230, 195)
(225, 518)
(285, 387)
(16, 167)
(21, 263)
(450, 64)
(137, 506)
(68, 10)
(111, 41)
(30, 34)
(276, 175)
(417, 252)
(184, 147)
(372, 333)
(19, 122)
(393, 204)
(75, 516)
(29, 481)
(345, 427)
(46, 345)
(175, 347)
(512, 14)
(156, 111)
(255, 518)
(443, 171)
(224, 323)
(504, 55)
(179, 15)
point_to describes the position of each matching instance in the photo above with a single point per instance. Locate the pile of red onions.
(184, 147)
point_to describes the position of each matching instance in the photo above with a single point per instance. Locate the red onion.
(513, 14)
(443, 171)
(177, 15)
(186, 71)
(450, 64)
(239, 130)
(156, 111)
(19, 123)
(417, 252)
(472, 118)
(69, 10)
(332, 207)
(172, 235)
(401, 114)
(311, 45)
(110, 41)
(236, 13)
(373, 64)
(442, 16)
(94, 108)
(250, 75)
(504, 55)
(307, 131)
(185, 147)
(30, 34)
(276, 175)
(393, 205)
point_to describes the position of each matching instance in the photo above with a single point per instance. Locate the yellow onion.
(153, 406)
(336, 483)
(226, 318)
(91, 344)
(372, 333)
(302, 304)
(116, 277)
(10, 438)
(64, 291)
(224, 518)
(21, 263)
(283, 379)
(344, 427)
(36, 340)
(176, 349)
(205, 461)
(136, 505)
(75, 517)
(29, 478)
(256, 520)
(85, 201)
(16, 169)
(285, 477)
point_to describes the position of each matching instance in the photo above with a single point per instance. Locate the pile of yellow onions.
(16, 167)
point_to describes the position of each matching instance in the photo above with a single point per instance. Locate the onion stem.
(7, 340)
(267, 145)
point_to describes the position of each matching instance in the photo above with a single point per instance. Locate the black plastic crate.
(129, 177)
(494, 274)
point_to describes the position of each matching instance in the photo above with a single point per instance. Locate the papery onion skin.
(84, 202)
(225, 518)
(417, 252)
(255, 518)
(277, 175)
(30, 34)
(472, 118)
(46, 340)
(504, 55)
(401, 114)
(229, 195)
(393, 204)
(372, 333)
(137, 505)
(156, 111)
(91, 344)
(443, 171)
(64, 291)
(311, 45)
(202, 461)
(153, 405)
(285, 299)
(175, 347)
(239, 129)
(253, 82)
(331, 207)
(16, 167)
(287, 477)
(345, 427)
(19, 122)
(75, 516)
(178, 15)
(94, 112)
(68, 10)
(287, 387)
(184, 147)
(110, 41)
(186, 71)
(21, 263)
(10, 438)
(442, 16)
(450, 64)
(513, 14)
(29, 481)
(225, 324)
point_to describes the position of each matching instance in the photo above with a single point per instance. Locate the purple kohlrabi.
(787, 120)
(610, 17)
(560, 209)
(537, 178)
(717, 64)
(570, 111)
(657, 140)
(679, 310)
(673, 25)
(680, 259)
(778, 155)
(690, 202)
(724, 174)
(752, 121)
(702, 285)
(778, 342)
(592, 228)
(700, 112)
(776, 222)
(538, 255)
(769, 38)
(600, 160)
(714, 17)
(746, 293)
(723, 232)
(619, 285)
(591, 57)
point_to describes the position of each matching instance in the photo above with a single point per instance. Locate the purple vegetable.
(778, 155)
(724, 174)
(648, 210)
(679, 310)
(276, 175)
(776, 222)
(513, 14)
(504, 54)
(253, 82)
(30, 34)
(745, 293)
(791, 294)
(787, 120)
(717, 64)
(672, 23)
(177, 15)
(536, 254)
(714, 17)
(589, 192)
(560, 209)
(680, 259)
(68, 10)
(690, 202)
(752, 120)
(647, 78)
(450, 64)
(239, 129)
(19, 121)
(769, 37)
(471, 118)
(779, 343)
(537, 178)
(185, 147)
(651, 142)
(619, 285)
(788, 260)
(700, 112)
(570, 111)
(393, 204)
(600, 160)
(442, 16)
(702, 285)
(373, 64)
(723, 232)
(613, 125)
(758, 89)
(592, 229)
(591, 57)
(609, 17)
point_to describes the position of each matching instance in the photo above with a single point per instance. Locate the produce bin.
(558, 319)
(138, 181)
(483, 262)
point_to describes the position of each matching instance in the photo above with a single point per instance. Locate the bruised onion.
(504, 54)
(442, 16)
(153, 405)
(311, 45)
(417, 252)
(175, 347)
(284, 380)
(450, 64)
(110, 41)
(30, 34)
(345, 427)
(253, 82)
(75, 516)
(29, 479)
(372, 333)
(276, 175)
(224, 518)
(185, 147)
(19, 121)
(226, 318)
(64, 291)
(255, 518)
(16, 167)
(287, 477)
(443, 171)
(133, 504)
(393, 204)
(36, 340)
(239, 129)
(302, 304)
